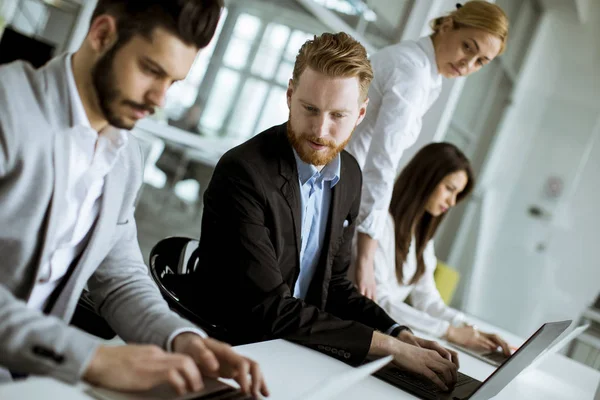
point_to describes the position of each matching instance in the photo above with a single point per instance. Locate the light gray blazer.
(35, 121)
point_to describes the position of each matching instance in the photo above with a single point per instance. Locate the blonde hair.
(336, 55)
(478, 14)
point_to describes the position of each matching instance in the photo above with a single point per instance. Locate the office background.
(525, 242)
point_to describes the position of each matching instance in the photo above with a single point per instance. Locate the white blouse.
(405, 85)
(429, 313)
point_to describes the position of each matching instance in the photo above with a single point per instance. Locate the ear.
(362, 111)
(103, 33)
(447, 25)
(288, 93)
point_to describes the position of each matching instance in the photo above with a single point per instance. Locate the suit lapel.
(290, 187)
(107, 217)
(60, 159)
(55, 91)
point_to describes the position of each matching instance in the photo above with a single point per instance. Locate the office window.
(237, 86)
(182, 95)
(248, 93)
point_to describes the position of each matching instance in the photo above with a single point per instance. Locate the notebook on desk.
(328, 389)
(470, 388)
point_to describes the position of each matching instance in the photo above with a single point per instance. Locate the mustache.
(322, 141)
(141, 107)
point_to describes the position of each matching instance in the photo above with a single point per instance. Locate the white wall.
(7, 9)
(548, 131)
(392, 11)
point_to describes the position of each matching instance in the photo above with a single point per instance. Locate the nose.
(158, 93)
(319, 125)
(468, 65)
(452, 201)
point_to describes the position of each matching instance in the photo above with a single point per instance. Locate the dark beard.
(104, 81)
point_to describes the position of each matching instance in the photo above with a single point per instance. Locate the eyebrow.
(155, 65)
(160, 69)
(477, 46)
(312, 105)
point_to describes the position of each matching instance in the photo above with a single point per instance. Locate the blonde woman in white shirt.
(408, 80)
(438, 177)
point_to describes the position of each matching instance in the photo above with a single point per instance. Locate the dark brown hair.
(337, 55)
(417, 181)
(192, 21)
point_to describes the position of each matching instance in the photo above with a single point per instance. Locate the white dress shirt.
(91, 157)
(405, 85)
(428, 313)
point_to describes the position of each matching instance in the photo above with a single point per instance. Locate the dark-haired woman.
(435, 180)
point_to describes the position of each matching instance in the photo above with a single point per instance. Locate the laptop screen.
(534, 346)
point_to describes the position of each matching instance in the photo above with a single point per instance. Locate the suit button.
(327, 348)
(347, 355)
(334, 351)
(321, 347)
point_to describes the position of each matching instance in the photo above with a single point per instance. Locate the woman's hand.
(365, 279)
(469, 336)
(365, 268)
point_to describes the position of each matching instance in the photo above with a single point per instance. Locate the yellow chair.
(446, 280)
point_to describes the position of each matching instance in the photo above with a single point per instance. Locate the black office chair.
(170, 260)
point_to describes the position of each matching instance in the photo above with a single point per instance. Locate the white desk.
(290, 368)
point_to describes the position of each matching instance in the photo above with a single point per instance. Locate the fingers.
(499, 342)
(446, 370)
(177, 382)
(241, 375)
(204, 357)
(244, 371)
(432, 376)
(181, 372)
(368, 291)
(259, 385)
(486, 343)
(442, 351)
(454, 359)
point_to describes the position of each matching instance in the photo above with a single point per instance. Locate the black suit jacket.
(249, 255)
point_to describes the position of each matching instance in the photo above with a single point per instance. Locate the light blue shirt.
(315, 190)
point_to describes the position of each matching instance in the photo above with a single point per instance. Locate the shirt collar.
(78, 115)
(329, 173)
(426, 44)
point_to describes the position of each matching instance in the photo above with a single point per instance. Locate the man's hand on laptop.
(217, 359)
(407, 337)
(143, 367)
(417, 359)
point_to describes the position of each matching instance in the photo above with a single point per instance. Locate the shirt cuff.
(173, 335)
(458, 320)
(373, 223)
(396, 329)
(389, 331)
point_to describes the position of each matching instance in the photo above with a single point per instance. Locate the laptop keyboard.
(227, 394)
(394, 374)
(496, 356)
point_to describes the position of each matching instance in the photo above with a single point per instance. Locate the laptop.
(328, 389)
(470, 388)
(496, 358)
